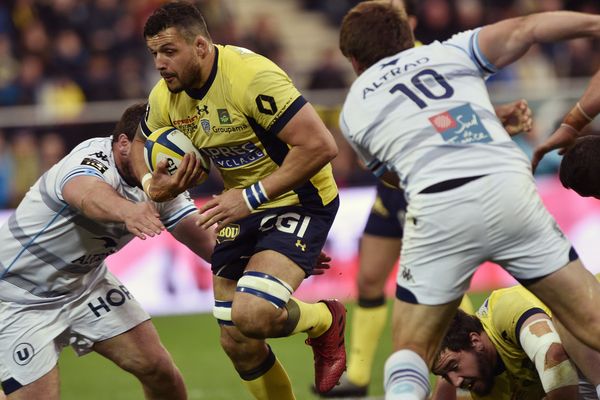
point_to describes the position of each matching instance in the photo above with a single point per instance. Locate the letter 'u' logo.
(23, 353)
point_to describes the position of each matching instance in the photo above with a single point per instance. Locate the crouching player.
(512, 349)
(55, 289)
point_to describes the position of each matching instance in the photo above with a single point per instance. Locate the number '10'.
(417, 82)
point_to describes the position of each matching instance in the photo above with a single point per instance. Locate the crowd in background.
(70, 52)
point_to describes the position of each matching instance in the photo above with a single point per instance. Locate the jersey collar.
(199, 94)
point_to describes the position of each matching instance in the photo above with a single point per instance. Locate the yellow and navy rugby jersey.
(235, 118)
(502, 316)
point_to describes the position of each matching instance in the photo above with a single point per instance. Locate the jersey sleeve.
(271, 97)
(157, 111)
(377, 167)
(509, 308)
(468, 43)
(174, 211)
(86, 161)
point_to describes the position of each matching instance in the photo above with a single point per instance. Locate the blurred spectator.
(99, 82)
(69, 57)
(263, 38)
(6, 172)
(9, 68)
(328, 74)
(102, 28)
(52, 149)
(30, 80)
(62, 98)
(220, 21)
(129, 76)
(436, 21)
(26, 165)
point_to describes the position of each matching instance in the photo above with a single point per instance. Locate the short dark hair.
(580, 166)
(458, 335)
(184, 16)
(129, 122)
(373, 30)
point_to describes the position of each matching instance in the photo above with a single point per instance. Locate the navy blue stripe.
(405, 295)
(524, 316)
(262, 197)
(275, 300)
(287, 115)
(80, 171)
(148, 147)
(407, 374)
(277, 150)
(162, 139)
(199, 94)
(266, 276)
(224, 322)
(254, 203)
(222, 303)
(171, 223)
(10, 385)
(144, 128)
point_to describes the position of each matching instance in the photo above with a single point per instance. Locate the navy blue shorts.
(387, 214)
(297, 232)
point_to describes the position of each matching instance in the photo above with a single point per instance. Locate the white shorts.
(498, 218)
(33, 335)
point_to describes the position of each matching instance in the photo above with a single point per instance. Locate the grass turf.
(193, 342)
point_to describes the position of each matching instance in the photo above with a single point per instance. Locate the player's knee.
(158, 366)
(263, 305)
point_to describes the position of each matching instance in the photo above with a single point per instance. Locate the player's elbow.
(326, 150)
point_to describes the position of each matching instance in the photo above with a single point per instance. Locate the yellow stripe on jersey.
(235, 118)
(502, 315)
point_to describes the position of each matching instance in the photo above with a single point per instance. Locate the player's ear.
(476, 342)
(123, 143)
(202, 46)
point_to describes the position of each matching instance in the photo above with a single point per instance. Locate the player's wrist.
(255, 195)
(576, 119)
(146, 182)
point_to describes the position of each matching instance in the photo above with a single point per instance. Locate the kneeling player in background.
(55, 288)
(512, 348)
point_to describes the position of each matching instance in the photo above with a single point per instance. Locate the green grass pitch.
(193, 342)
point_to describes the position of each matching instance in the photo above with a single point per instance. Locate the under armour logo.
(202, 110)
(301, 245)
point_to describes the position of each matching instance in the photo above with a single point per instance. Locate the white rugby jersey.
(425, 114)
(49, 251)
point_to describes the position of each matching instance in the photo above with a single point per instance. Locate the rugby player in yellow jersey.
(511, 349)
(273, 154)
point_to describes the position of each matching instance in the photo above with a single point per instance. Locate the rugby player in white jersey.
(55, 289)
(421, 118)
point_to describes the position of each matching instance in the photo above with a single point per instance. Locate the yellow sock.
(367, 326)
(313, 318)
(272, 385)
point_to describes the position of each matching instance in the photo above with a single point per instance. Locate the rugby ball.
(169, 143)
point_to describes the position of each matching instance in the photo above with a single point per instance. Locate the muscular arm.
(504, 42)
(541, 343)
(313, 146)
(201, 241)
(99, 201)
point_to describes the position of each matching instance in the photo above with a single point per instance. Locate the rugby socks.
(368, 321)
(406, 377)
(312, 318)
(269, 381)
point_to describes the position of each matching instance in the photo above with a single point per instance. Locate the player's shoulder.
(241, 65)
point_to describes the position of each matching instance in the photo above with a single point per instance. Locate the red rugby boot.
(329, 350)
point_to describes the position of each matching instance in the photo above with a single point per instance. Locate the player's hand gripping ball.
(170, 144)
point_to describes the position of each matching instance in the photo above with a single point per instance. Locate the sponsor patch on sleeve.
(95, 163)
